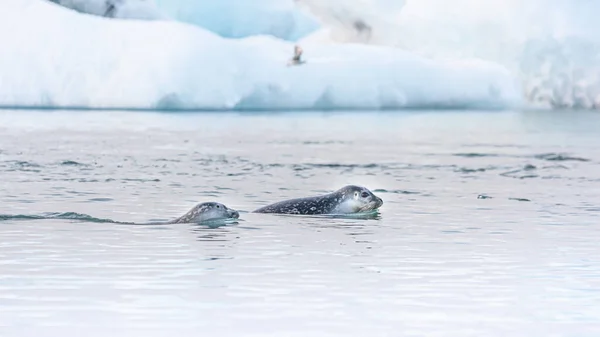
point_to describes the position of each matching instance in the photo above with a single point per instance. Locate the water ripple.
(487, 229)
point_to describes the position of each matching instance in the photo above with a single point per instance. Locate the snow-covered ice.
(243, 18)
(122, 9)
(56, 57)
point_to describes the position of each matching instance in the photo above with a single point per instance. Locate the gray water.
(489, 225)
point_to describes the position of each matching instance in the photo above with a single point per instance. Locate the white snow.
(56, 57)
(551, 46)
(228, 18)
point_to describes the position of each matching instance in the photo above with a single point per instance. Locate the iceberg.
(228, 18)
(554, 55)
(59, 58)
(243, 18)
(122, 9)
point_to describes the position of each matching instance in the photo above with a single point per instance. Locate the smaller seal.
(207, 211)
(347, 200)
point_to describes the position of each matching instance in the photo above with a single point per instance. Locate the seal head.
(207, 211)
(357, 199)
(347, 200)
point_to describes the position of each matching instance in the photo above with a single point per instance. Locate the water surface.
(489, 226)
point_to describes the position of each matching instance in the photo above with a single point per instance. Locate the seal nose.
(234, 214)
(379, 201)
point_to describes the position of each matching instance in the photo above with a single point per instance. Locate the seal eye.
(218, 206)
(364, 194)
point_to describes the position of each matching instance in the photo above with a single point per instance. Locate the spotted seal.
(207, 211)
(347, 200)
(210, 213)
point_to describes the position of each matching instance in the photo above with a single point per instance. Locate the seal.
(212, 213)
(347, 200)
(207, 211)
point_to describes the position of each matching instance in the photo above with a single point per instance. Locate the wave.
(59, 215)
(88, 218)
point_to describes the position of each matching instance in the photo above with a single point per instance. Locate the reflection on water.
(489, 225)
